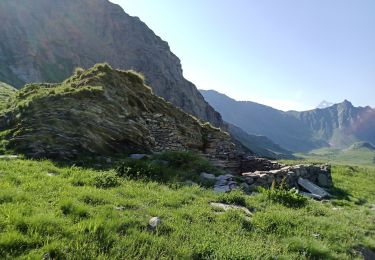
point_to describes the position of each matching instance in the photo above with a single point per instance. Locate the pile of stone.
(307, 178)
(317, 174)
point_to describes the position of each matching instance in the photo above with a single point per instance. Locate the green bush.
(188, 161)
(140, 169)
(287, 197)
(235, 198)
(106, 180)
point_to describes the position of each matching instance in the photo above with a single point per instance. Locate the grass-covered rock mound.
(102, 111)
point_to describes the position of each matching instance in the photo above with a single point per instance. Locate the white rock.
(222, 189)
(226, 207)
(154, 222)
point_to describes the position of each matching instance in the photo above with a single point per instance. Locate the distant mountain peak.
(324, 104)
(346, 103)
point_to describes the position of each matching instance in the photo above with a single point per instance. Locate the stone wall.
(317, 174)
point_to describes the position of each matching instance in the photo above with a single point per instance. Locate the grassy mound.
(68, 212)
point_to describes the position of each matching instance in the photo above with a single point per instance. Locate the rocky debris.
(154, 222)
(251, 164)
(315, 191)
(317, 174)
(225, 183)
(137, 156)
(227, 207)
(222, 188)
(52, 174)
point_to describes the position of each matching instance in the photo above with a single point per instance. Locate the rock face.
(105, 111)
(44, 40)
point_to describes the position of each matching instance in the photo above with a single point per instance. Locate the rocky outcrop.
(44, 40)
(317, 174)
(104, 111)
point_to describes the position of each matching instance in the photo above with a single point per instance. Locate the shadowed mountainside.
(44, 40)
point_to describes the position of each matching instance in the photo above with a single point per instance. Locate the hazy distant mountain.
(44, 40)
(325, 104)
(261, 145)
(338, 126)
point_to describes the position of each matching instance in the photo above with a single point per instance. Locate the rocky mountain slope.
(260, 145)
(282, 128)
(44, 40)
(340, 125)
(337, 126)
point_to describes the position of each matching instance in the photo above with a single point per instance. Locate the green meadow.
(61, 211)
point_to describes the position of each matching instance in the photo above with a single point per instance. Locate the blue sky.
(290, 54)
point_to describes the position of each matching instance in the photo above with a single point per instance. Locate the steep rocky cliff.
(44, 40)
(103, 111)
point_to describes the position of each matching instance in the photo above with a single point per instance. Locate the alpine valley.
(108, 152)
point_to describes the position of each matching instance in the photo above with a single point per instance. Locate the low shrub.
(140, 169)
(235, 198)
(287, 197)
(106, 180)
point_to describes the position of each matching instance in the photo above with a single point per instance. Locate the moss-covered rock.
(104, 111)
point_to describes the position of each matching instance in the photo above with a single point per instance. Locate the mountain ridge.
(337, 126)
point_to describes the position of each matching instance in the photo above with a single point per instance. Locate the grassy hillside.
(71, 212)
(357, 154)
(6, 93)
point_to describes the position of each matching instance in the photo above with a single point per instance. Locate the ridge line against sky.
(288, 54)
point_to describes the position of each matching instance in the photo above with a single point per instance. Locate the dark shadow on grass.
(339, 193)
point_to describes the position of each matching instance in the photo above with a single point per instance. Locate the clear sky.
(290, 54)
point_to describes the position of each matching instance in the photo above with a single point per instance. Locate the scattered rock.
(225, 177)
(227, 207)
(245, 187)
(315, 190)
(137, 156)
(51, 174)
(222, 189)
(120, 208)
(154, 222)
